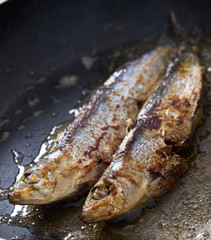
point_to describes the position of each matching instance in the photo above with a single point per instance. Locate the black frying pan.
(42, 41)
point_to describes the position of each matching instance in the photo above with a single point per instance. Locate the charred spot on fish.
(165, 151)
(106, 181)
(27, 174)
(100, 193)
(97, 144)
(186, 102)
(180, 120)
(150, 122)
(85, 153)
(139, 105)
(156, 168)
(109, 185)
(110, 126)
(155, 175)
(177, 149)
(175, 103)
(169, 142)
(99, 161)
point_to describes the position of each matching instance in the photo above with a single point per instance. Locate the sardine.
(147, 163)
(86, 148)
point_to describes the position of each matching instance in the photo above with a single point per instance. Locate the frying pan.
(43, 41)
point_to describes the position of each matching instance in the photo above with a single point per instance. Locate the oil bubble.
(17, 156)
(4, 135)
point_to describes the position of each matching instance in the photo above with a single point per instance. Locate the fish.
(85, 149)
(148, 164)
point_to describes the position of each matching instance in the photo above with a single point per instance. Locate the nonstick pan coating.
(43, 41)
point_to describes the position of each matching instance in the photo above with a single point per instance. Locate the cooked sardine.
(146, 164)
(86, 148)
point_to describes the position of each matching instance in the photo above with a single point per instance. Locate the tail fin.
(174, 33)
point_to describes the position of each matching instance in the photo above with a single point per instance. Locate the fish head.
(106, 200)
(34, 187)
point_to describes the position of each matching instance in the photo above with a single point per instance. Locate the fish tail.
(175, 34)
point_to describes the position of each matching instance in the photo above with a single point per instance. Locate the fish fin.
(175, 34)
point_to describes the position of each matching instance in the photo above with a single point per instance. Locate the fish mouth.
(100, 206)
(94, 213)
(100, 212)
(31, 190)
(29, 195)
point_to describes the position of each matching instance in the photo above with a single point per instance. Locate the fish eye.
(100, 193)
(30, 178)
(27, 174)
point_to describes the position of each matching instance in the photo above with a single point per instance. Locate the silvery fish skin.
(146, 166)
(86, 148)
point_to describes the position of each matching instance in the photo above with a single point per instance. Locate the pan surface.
(52, 55)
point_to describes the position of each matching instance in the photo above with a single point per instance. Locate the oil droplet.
(33, 101)
(32, 72)
(54, 114)
(21, 127)
(206, 54)
(54, 100)
(85, 92)
(53, 68)
(40, 80)
(17, 112)
(17, 156)
(20, 173)
(29, 87)
(21, 237)
(74, 111)
(3, 194)
(4, 135)
(16, 210)
(88, 62)
(3, 121)
(7, 70)
(67, 81)
(29, 135)
(32, 116)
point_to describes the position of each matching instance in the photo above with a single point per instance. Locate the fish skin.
(146, 166)
(86, 148)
